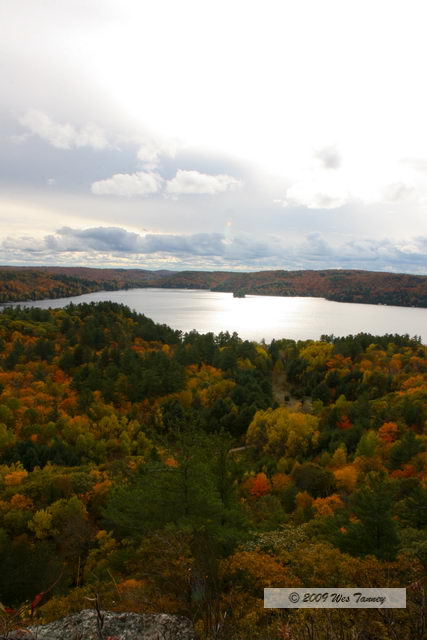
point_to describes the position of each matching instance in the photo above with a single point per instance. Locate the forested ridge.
(18, 284)
(183, 473)
(369, 287)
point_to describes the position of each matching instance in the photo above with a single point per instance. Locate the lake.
(258, 317)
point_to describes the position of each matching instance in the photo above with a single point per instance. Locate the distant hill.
(369, 287)
(18, 284)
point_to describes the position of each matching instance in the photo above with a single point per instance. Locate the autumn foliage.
(158, 471)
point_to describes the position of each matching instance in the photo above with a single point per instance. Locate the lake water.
(257, 317)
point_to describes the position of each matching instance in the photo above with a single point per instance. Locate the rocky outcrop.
(88, 625)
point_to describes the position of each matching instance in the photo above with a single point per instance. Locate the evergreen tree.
(375, 530)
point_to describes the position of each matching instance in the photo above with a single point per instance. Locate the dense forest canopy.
(183, 473)
(35, 283)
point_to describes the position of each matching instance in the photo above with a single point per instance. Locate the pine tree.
(374, 531)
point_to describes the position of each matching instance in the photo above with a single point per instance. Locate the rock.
(114, 626)
(18, 634)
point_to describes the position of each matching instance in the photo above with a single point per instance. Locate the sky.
(228, 135)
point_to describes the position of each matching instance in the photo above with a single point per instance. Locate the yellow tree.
(280, 432)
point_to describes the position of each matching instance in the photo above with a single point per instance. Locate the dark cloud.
(245, 247)
(316, 246)
(117, 240)
(201, 244)
(366, 253)
(94, 239)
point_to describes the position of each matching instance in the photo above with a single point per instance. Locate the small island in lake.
(339, 285)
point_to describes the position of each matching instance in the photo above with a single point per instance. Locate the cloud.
(151, 150)
(317, 192)
(115, 245)
(323, 190)
(201, 244)
(408, 255)
(329, 157)
(193, 182)
(363, 180)
(63, 136)
(247, 247)
(24, 244)
(127, 185)
(118, 240)
(144, 183)
(398, 191)
(315, 246)
(94, 239)
(148, 155)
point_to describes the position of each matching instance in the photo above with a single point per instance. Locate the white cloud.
(193, 182)
(63, 136)
(140, 183)
(322, 188)
(151, 149)
(148, 156)
(317, 192)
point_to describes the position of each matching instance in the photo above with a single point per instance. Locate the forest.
(368, 287)
(36, 283)
(156, 471)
